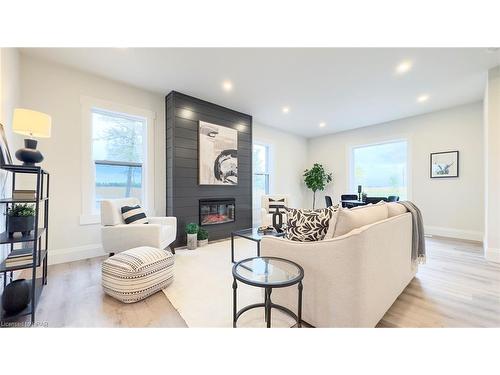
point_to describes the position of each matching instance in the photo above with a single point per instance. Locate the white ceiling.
(344, 87)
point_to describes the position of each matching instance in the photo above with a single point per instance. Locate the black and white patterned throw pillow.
(277, 204)
(308, 225)
(134, 215)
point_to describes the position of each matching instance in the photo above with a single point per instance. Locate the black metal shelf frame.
(39, 238)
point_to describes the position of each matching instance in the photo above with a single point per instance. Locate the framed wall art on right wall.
(444, 164)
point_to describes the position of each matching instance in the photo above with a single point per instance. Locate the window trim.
(351, 188)
(89, 215)
(268, 164)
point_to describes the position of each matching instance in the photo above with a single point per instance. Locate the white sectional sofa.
(350, 280)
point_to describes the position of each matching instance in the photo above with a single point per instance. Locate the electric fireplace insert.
(217, 211)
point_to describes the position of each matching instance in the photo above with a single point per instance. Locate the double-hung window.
(118, 148)
(118, 145)
(381, 169)
(260, 160)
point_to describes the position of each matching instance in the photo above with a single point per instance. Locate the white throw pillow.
(395, 209)
(332, 223)
(347, 219)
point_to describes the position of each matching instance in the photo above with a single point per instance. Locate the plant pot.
(24, 224)
(16, 296)
(202, 242)
(192, 240)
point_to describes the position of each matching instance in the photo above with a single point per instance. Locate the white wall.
(492, 165)
(57, 90)
(288, 157)
(451, 207)
(9, 99)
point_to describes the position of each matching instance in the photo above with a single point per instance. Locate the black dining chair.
(392, 198)
(348, 197)
(328, 201)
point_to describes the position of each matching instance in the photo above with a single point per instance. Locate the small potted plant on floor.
(21, 218)
(202, 237)
(192, 235)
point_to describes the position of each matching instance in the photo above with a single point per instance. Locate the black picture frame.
(5, 157)
(455, 155)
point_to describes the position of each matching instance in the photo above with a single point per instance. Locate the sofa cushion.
(348, 219)
(332, 223)
(308, 225)
(395, 209)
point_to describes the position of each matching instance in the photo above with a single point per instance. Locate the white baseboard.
(75, 253)
(454, 233)
(492, 255)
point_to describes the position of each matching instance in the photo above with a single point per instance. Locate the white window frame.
(351, 182)
(269, 164)
(89, 213)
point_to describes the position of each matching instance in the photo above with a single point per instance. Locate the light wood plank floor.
(456, 288)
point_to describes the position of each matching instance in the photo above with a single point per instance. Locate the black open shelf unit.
(38, 238)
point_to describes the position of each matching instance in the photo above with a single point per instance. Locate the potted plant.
(202, 237)
(21, 218)
(192, 235)
(316, 179)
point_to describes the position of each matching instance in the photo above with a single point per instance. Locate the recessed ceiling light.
(322, 124)
(423, 98)
(285, 109)
(404, 67)
(227, 85)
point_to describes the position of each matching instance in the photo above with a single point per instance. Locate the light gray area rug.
(202, 289)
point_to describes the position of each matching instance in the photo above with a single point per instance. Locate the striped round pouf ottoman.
(137, 273)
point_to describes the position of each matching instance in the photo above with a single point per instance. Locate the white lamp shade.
(32, 123)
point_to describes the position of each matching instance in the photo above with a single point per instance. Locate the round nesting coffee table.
(268, 273)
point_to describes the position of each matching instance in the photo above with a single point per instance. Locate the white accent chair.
(117, 236)
(266, 217)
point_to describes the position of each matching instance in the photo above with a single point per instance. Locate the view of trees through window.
(117, 150)
(381, 169)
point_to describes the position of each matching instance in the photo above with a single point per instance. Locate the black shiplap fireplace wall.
(183, 113)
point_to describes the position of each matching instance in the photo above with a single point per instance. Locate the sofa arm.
(121, 237)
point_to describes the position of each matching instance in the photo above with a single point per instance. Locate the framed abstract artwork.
(444, 164)
(217, 154)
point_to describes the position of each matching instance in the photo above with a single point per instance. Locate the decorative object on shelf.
(202, 237)
(218, 154)
(360, 189)
(444, 164)
(192, 235)
(277, 217)
(5, 157)
(32, 124)
(363, 197)
(24, 194)
(16, 296)
(21, 218)
(316, 179)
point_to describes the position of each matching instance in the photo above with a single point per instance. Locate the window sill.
(90, 219)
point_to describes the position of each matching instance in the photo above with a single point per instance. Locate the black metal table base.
(268, 305)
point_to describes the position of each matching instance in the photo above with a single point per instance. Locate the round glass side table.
(268, 273)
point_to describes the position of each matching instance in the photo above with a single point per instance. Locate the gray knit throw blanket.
(418, 239)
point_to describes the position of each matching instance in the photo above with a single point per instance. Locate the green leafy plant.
(202, 234)
(21, 210)
(192, 228)
(316, 179)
